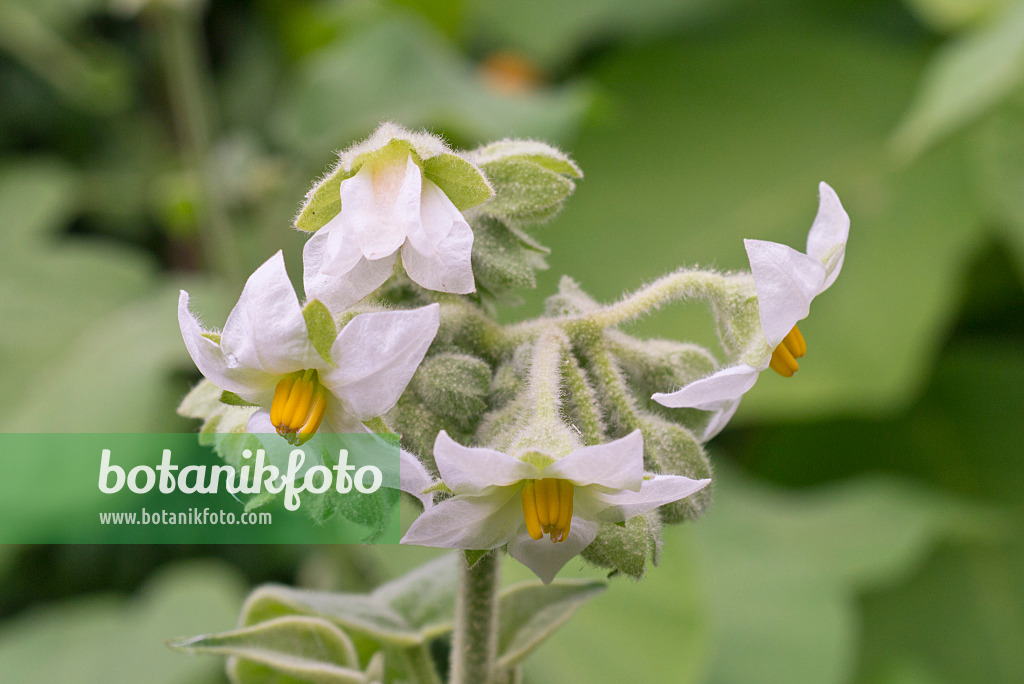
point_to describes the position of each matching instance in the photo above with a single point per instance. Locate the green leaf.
(321, 328)
(232, 399)
(530, 612)
(398, 66)
(96, 632)
(403, 613)
(460, 180)
(307, 648)
(966, 78)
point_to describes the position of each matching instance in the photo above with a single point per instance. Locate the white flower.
(266, 356)
(389, 202)
(500, 499)
(785, 281)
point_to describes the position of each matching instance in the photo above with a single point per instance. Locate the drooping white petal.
(437, 216)
(618, 464)
(413, 478)
(712, 392)
(376, 355)
(476, 470)
(208, 356)
(622, 505)
(341, 291)
(447, 267)
(469, 522)
(786, 281)
(827, 238)
(341, 252)
(381, 204)
(720, 417)
(546, 558)
(266, 329)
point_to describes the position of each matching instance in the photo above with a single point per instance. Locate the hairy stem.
(679, 285)
(475, 640)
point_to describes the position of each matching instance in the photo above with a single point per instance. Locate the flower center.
(785, 355)
(299, 405)
(547, 508)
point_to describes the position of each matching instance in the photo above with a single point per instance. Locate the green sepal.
(323, 202)
(232, 399)
(438, 487)
(463, 183)
(321, 328)
(214, 336)
(474, 556)
(535, 152)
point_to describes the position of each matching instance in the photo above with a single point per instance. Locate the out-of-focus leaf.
(963, 615)
(108, 640)
(306, 648)
(950, 15)
(967, 77)
(766, 115)
(554, 31)
(400, 69)
(530, 612)
(783, 569)
(999, 161)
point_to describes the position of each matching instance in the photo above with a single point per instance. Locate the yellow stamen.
(299, 405)
(547, 508)
(533, 525)
(784, 356)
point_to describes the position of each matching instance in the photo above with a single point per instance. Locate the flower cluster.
(540, 437)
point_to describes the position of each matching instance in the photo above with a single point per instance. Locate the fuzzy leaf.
(673, 450)
(307, 648)
(525, 190)
(321, 328)
(454, 386)
(463, 183)
(530, 612)
(500, 263)
(532, 151)
(626, 547)
(474, 556)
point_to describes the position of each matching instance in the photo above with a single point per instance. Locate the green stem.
(685, 283)
(190, 92)
(419, 666)
(475, 640)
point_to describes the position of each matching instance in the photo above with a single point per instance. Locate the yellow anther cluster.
(547, 508)
(785, 355)
(299, 405)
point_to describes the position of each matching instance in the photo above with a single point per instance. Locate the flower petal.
(713, 392)
(623, 505)
(469, 522)
(476, 470)
(786, 281)
(546, 558)
(338, 292)
(266, 329)
(719, 419)
(618, 464)
(413, 478)
(376, 355)
(259, 423)
(447, 267)
(437, 215)
(827, 238)
(380, 205)
(341, 252)
(209, 358)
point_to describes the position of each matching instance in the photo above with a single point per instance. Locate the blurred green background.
(867, 520)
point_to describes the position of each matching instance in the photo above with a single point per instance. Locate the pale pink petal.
(448, 267)
(827, 238)
(469, 522)
(340, 292)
